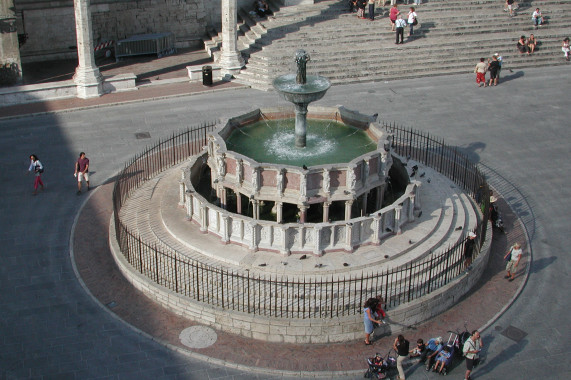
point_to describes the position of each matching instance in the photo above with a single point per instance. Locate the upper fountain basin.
(314, 89)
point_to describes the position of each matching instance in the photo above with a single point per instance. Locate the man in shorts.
(82, 171)
(471, 349)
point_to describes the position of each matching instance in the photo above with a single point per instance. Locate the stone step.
(348, 39)
(159, 198)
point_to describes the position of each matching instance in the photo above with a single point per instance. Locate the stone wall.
(311, 330)
(51, 29)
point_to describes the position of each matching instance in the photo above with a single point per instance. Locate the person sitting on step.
(537, 18)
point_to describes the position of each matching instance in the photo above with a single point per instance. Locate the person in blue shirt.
(441, 359)
(433, 347)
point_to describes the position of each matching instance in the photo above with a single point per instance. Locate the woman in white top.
(411, 20)
(565, 47)
(37, 168)
(511, 267)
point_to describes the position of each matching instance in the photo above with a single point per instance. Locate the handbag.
(509, 255)
(415, 22)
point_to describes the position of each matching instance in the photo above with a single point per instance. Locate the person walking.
(513, 257)
(471, 349)
(401, 347)
(510, 7)
(82, 171)
(565, 47)
(37, 168)
(393, 14)
(369, 319)
(400, 24)
(411, 21)
(480, 71)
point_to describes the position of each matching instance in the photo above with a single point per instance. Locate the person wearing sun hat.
(469, 246)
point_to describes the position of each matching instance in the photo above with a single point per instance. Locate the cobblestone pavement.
(52, 328)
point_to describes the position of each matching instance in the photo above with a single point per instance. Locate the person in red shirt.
(82, 171)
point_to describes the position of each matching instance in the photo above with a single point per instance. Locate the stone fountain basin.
(293, 92)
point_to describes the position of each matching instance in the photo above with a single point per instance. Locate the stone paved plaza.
(51, 327)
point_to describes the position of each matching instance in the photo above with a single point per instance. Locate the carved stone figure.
(240, 171)
(303, 185)
(210, 146)
(280, 182)
(326, 181)
(301, 58)
(351, 179)
(221, 164)
(255, 179)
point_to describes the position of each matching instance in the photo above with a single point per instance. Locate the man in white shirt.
(400, 24)
(471, 349)
(537, 18)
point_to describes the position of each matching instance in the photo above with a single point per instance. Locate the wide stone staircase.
(451, 37)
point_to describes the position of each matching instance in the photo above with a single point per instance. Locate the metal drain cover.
(198, 337)
(514, 333)
(142, 135)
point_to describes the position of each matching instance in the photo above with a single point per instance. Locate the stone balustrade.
(314, 238)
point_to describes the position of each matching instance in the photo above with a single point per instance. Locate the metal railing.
(294, 297)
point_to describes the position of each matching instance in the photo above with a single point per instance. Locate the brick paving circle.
(104, 281)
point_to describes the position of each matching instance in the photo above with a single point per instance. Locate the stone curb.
(239, 86)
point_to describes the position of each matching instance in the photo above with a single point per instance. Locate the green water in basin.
(273, 141)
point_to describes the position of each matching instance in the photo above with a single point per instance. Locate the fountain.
(301, 90)
(301, 235)
(294, 191)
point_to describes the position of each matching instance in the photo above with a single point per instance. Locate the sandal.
(367, 344)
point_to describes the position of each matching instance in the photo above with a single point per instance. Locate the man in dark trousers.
(400, 24)
(469, 247)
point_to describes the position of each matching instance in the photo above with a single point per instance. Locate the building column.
(302, 213)
(396, 227)
(189, 208)
(223, 200)
(279, 212)
(380, 196)
(231, 60)
(326, 212)
(87, 76)
(238, 203)
(411, 208)
(9, 46)
(364, 204)
(348, 205)
(256, 209)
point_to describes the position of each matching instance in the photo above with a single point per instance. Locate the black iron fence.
(295, 297)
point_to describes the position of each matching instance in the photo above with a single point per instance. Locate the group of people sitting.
(526, 45)
(262, 8)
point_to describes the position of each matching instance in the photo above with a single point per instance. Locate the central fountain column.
(300, 124)
(301, 90)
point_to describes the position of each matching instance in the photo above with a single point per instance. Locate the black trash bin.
(207, 75)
